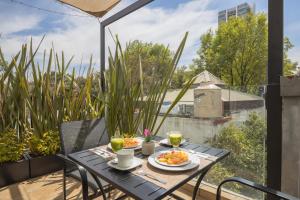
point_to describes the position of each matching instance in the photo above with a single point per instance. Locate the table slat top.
(141, 187)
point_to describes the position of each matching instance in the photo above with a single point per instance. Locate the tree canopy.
(247, 146)
(154, 59)
(237, 52)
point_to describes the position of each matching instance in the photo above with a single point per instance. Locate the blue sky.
(163, 21)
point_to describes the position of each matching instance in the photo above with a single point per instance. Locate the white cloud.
(80, 37)
(16, 23)
(168, 26)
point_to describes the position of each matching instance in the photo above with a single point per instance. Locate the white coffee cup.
(125, 157)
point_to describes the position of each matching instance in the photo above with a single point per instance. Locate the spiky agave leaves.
(15, 91)
(122, 96)
(40, 98)
(127, 105)
(153, 102)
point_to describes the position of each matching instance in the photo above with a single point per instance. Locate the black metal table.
(141, 188)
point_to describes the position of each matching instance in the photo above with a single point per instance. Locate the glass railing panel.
(228, 118)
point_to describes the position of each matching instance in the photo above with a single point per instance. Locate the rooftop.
(206, 77)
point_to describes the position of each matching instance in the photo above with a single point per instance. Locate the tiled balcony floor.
(49, 187)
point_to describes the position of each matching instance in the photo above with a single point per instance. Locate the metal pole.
(126, 11)
(102, 56)
(273, 98)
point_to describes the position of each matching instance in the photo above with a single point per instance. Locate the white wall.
(290, 92)
(199, 130)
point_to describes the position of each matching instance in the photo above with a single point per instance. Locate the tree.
(205, 59)
(246, 144)
(154, 59)
(180, 77)
(289, 65)
(237, 52)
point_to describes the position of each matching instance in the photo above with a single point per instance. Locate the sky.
(162, 21)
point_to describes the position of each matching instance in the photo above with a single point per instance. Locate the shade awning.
(97, 8)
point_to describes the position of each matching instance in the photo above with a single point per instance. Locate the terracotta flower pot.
(148, 148)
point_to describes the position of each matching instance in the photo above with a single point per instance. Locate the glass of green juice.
(117, 143)
(175, 138)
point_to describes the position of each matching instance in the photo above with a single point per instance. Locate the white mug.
(125, 157)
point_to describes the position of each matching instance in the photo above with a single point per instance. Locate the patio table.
(143, 188)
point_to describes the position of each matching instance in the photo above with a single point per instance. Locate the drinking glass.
(175, 138)
(117, 143)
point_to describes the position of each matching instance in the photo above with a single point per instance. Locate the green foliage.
(127, 104)
(246, 143)
(47, 144)
(289, 65)
(122, 96)
(57, 97)
(238, 51)
(153, 102)
(11, 149)
(180, 77)
(40, 97)
(14, 91)
(153, 57)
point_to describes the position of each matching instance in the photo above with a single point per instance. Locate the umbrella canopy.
(97, 8)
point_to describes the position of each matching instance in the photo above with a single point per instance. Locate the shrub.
(10, 148)
(247, 158)
(47, 144)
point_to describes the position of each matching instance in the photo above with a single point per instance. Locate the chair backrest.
(80, 135)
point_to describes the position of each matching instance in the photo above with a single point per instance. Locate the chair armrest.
(82, 172)
(254, 186)
(67, 160)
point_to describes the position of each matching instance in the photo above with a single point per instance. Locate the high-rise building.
(238, 11)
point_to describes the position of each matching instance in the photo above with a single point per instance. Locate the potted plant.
(128, 106)
(43, 149)
(153, 101)
(148, 145)
(14, 167)
(123, 113)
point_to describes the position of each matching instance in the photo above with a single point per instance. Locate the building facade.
(238, 11)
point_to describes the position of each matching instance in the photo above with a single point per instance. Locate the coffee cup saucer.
(135, 163)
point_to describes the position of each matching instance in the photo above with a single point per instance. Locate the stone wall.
(208, 102)
(290, 92)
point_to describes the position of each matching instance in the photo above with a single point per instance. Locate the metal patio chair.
(255, 186)
(77, 136)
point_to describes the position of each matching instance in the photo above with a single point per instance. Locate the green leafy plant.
(147, 135)
(154, 100)
(14, 91)
(47, 144)
(128, 107)
(40, 97)
(237, 52)
(247, 157)
(122, 96)
(11, 149)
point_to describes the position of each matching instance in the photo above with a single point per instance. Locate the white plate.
(174, 165)
(166, 142)
(194, 162)
(136, 162)
(139, 146)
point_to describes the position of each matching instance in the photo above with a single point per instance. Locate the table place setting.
(150, 167)
(173, 137)
(203, 155)
(125, 160)
(173, 159)
(102, 152)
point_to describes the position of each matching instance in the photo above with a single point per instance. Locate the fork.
(202, 155)
(142, 173)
